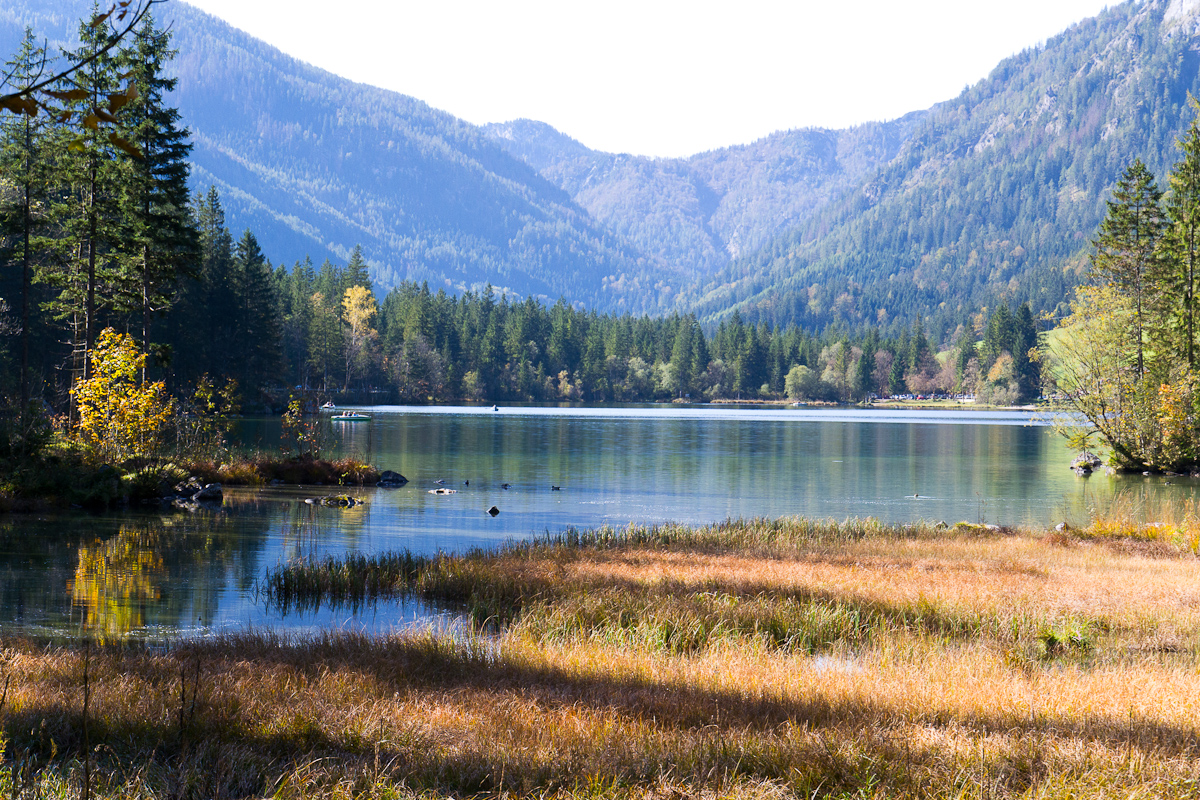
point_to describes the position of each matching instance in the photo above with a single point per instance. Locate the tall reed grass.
(743, 660)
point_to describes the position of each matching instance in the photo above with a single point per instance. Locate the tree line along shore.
(135, 325)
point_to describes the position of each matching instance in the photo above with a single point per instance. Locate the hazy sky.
(661, 78)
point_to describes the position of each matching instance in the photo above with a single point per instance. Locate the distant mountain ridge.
(989, 197)
(996, 194)
(713, 206)
(315, 164)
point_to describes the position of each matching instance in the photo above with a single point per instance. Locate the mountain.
(315, 164)
(987, 198)
(705, 210)
(995, 195)
(991, 197)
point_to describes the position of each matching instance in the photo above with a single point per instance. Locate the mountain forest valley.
(198, 232)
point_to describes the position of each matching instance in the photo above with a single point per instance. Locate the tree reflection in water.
(162, 573)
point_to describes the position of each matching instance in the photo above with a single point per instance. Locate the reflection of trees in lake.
(117, 581)
(126, 575)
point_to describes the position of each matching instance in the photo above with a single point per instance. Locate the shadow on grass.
(224, 748)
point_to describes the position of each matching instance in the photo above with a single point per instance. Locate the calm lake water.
(148, 573)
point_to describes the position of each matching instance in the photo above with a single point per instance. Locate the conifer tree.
(206, 318)
(356, 272)
(1126, 243)
(95, 170)
(256, 328)
(1025, 368)
(1178, 268)
(163, 238)
(23, 163)
(296, 310)
(325, 338)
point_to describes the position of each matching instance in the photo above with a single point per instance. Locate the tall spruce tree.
(356, 272)
(1178, 268)
(1127, 241)
(203, 323)
(1025, 368)
(256, 330)
(94, 170)
(163, 237)
(23, 163)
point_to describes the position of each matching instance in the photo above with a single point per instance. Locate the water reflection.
(151, 573)
(116, 580)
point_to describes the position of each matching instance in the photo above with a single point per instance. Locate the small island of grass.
(126, 440)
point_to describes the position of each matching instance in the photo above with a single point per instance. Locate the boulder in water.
(211, 494)
(1086, 463)
(389, 479)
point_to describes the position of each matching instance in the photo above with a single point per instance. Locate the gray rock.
(1089, 460)
(211, 494)
(189, 487)
(1062, 527)
(1082, 470)
(389, 479)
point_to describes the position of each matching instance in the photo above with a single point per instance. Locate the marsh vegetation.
(784, 658)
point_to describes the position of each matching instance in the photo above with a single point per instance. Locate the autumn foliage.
(1126, 359)
(120, 415)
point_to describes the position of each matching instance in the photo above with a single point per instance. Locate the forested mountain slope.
(990, 197)
(315, 164)
(704, 210)
(998, 192)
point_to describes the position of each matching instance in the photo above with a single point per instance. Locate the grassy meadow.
(758, 659)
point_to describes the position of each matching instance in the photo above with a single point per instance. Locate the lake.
(150, 573)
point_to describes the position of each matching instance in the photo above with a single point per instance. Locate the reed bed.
(261, 468)
(745, 660)
(1138, 516)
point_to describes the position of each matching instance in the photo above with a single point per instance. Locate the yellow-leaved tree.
(358, 309)
(120, 416)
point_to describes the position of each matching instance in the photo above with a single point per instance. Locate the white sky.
(661, 77)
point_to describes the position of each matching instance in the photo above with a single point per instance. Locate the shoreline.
(750, 659)
(70, 483)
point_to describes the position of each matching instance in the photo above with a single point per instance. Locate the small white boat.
(328, 406)
(350, 416)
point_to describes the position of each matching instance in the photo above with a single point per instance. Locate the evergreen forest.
(100, 231)
(1126, 358)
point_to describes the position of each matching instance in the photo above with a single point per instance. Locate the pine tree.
(1178, 269)
(23, 162)
(1025, 368)
(205, 322)
(163, 237)
(325, 338)
(95, 171)
(256, 329)
(356, 272)
(1126, 243)
(296, 312)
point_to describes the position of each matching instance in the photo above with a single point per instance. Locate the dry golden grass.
(935, 665)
